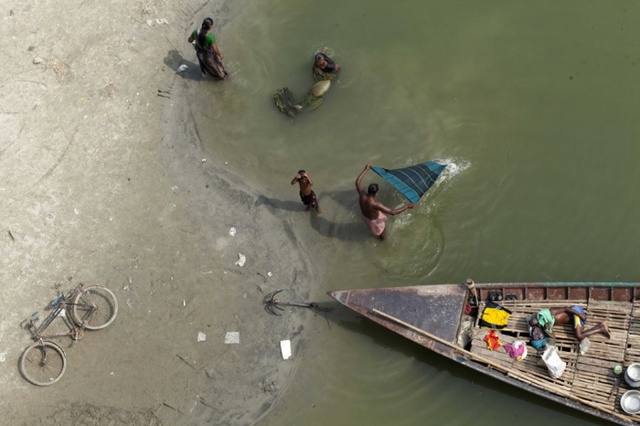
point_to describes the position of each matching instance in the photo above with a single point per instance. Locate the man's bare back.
(373, 210)
(368, 206)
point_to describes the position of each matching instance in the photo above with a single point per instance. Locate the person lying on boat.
(541, 324)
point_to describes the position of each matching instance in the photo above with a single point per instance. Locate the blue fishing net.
(413, 182)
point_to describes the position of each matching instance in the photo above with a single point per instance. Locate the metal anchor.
(271, 303)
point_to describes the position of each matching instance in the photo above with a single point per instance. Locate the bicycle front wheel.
(43, 363)
(95, 307)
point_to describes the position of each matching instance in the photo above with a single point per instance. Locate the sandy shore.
(104, 182)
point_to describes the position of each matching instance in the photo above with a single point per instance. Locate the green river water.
(534, 106)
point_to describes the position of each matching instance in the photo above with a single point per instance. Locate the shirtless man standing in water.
(373, 211)
(307, 195)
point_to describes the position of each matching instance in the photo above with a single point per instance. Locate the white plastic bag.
(554, 363)
(285, 348)
(585, 345)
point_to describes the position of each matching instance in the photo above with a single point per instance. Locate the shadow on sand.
(174, 59)
(351, 231)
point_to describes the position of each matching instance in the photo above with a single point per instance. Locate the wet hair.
(202, 35)
(373, 189)
(319, 57)
(302, 171)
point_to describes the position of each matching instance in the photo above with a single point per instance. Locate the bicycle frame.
(61, 304)
(82, 308)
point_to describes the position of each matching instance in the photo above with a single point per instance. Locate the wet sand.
(105, 181)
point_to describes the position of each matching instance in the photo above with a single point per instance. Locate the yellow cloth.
(497, 317)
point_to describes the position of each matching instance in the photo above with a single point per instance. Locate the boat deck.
(436, 317)
(589, 376)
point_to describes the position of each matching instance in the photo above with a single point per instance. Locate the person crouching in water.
(324, 68)
(372, 210)
(207, 51)
(307, 195)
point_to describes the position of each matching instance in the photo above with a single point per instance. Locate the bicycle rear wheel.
(95, 307)
(43, 364)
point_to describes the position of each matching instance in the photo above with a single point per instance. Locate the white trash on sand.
(241, 259)
(201, 336)
(182, 68)
(232, 231)
(285, 348)
(232, 337)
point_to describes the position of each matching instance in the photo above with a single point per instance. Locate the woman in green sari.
(209, 55)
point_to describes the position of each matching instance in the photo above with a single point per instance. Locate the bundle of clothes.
(496, 317)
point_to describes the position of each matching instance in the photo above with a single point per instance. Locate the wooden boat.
(445, 318)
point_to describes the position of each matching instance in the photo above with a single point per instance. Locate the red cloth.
(492, 339)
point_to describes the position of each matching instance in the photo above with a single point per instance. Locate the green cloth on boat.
(546, 319)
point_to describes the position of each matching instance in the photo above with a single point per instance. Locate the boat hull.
(437, 317)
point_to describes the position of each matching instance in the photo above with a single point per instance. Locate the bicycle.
(91, 308)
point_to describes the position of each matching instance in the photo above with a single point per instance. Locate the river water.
(535, 109)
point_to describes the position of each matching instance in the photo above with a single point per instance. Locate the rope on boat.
(471, 286)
